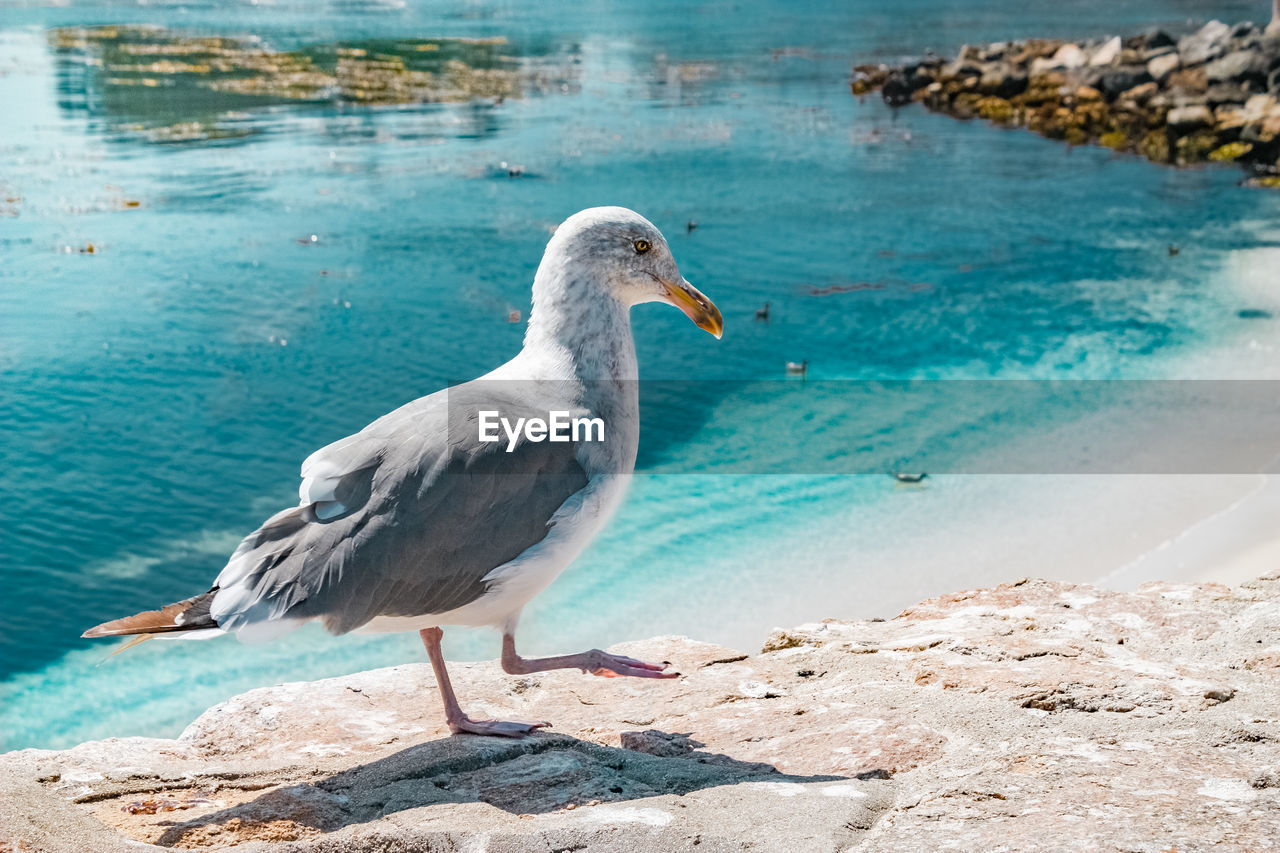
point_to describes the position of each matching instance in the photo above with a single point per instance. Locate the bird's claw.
(606, 665)
(499, 728)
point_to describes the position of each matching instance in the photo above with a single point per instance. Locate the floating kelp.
(175, 86)
(861, 286)
(10, 200)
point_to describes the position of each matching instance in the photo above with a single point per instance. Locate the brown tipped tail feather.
(189, 615)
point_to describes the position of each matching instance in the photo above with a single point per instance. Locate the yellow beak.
(698, 308)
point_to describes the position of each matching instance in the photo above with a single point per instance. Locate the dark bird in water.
(1173, 251)
(691, 226)
(763, 313)
(906, 477)
(798, 368)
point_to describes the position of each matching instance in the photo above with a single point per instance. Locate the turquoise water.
(158, 394)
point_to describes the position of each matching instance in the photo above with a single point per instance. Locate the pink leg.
(595, 662)
(458, 721)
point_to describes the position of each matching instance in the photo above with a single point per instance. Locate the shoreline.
(1212, 95)
(1237, 540)
(1230, 546)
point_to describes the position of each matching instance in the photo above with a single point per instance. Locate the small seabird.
(416, 522)
(798, 368)
(907, 477)
(763, 313)
(513, 170)
(691, 226)
(1173, 251)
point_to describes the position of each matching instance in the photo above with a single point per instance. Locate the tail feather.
(188, 615)
(140, 638)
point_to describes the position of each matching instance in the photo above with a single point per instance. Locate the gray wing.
(405, 518)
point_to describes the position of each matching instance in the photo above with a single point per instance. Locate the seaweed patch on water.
(10, 200)
(177, 87)
(862, 286)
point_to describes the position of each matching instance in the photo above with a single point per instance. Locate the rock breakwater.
(1211, 95)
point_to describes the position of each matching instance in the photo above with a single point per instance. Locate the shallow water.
(158, 394)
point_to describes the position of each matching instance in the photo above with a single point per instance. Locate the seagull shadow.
(541, 773)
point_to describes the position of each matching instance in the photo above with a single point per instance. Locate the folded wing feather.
(405, 518)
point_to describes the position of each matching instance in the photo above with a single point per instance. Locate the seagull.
(798, 368)
(763, 313)
(419, 520)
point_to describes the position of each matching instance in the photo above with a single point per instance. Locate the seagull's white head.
(616, 252)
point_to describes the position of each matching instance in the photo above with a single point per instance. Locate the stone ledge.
(1033, 715)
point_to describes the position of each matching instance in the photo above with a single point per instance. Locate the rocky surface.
(1210, 95)
(1031, 716)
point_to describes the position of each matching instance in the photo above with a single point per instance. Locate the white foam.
(130, 566)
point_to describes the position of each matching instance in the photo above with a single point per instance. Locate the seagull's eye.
(642, 246)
